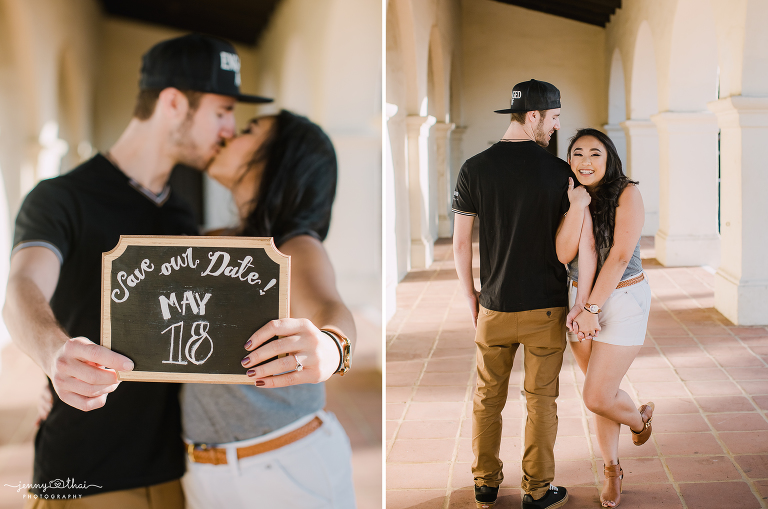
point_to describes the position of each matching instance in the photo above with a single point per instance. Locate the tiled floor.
(709, 381)
(355, 399)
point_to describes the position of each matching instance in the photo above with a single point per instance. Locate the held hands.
(303, 342)
(579, 197)
(83, 373)
(585, 324)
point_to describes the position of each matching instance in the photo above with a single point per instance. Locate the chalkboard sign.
(182, 308)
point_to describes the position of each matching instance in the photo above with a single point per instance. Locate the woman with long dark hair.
(271, 444)
(608, 320)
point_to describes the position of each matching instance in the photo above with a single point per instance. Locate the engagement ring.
(299, 366)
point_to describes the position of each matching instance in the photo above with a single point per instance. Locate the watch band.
(344, 346)
(588, 308)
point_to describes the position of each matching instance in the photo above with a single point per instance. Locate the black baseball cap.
(195, 62)
(533, 95)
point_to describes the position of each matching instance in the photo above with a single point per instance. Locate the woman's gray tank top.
(219, 414)
(635, 265)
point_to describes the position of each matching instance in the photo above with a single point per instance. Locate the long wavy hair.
(605, 197)
(298, 183)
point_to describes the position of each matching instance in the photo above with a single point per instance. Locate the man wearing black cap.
(519, 193)
(128, 453)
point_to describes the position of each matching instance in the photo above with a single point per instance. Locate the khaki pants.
(542, 334)
(160, 496)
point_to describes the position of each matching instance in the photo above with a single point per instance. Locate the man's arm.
(462, 254)
(74, 365)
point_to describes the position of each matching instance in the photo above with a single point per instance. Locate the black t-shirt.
(519, 192)
(135, 439)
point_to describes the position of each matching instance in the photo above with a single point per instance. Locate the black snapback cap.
(195, 62)
(533, 95)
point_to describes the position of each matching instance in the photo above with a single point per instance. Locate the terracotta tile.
(655, 362)
(678, 423)
(701, 469)
(675, 406)
(442, 353)
(749, 373)
(746, 442)
(754, 387)
(762, 401)
(748, 331)
(674, 340)
(647, 390)
(692, 362)
(720, 404)
(718, 495)
(398, 394)
(652, 375)
(391, 428)
(444, 379)
(741, 362)
(413, 366)
(513, 409)
(431, 411)
(755, 466)
(423, 499)
(573, 473)
(570, 426)
(421, 451)
(642, 470)
(651, 496)
(581, 497)
(762, 488)
(402, 379)
(571, 448)
(451, 365)
(742, 421)
(713, 388)
(706, 339)
(569, 408)
(415, 475)
(755, 340)
(705, 374)
(395, 411)
(428, 429)
(688, 444)
(568, 391)
(444, 394)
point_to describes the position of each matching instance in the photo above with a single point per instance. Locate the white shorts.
(314, 472)
(624, 316)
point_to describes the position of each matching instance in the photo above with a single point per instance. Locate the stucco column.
(440, 132)
(688, 189)
(642, 142)
(417, 159)
(457, 156)
(741, 281)
(616, 133)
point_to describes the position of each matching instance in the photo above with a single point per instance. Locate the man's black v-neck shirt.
(135, 439)
(519, 193)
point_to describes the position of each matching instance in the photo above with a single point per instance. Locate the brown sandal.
(641, 437)
(614, 477)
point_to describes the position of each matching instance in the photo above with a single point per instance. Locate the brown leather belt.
(201, 453)
(622, 284)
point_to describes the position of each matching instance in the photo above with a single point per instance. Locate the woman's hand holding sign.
(304, 345)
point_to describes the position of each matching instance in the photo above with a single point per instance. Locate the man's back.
(519, 193)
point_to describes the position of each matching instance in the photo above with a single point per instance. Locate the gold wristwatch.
(592, 308)
(345, 349)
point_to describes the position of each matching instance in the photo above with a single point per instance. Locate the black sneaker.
(485, 496)
(556, 496)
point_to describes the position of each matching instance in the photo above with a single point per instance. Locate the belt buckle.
(191, 450)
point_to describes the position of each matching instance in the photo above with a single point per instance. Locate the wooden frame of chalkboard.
(155, 270)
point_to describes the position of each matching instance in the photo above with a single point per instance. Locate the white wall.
(504, 45)
(322, 59)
